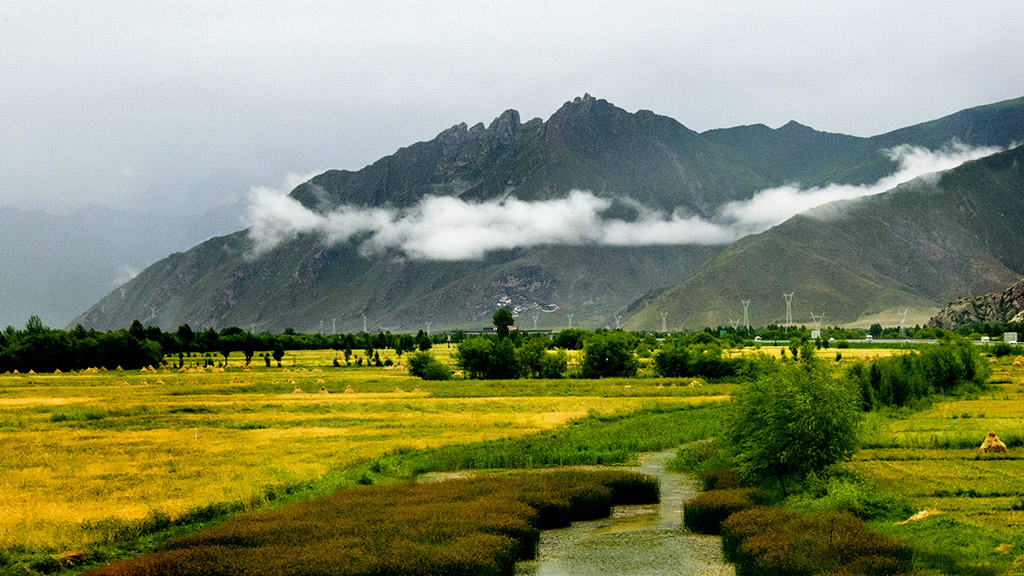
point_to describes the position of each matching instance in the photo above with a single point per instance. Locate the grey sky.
(184, 105)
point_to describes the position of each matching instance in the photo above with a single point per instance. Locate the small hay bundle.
(398, 390)
(992, 444)
(349, 390)
(323, 390)
(297, 390)
(922, 515)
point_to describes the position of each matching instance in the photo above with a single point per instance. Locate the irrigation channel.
(646, 540)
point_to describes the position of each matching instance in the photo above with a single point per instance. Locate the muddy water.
(646, 540)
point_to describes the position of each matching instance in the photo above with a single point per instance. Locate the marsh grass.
(473, 527)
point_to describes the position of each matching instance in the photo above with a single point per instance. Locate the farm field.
(931, 460)
(86, 454)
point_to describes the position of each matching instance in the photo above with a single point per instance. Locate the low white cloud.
(776, 205)
(125, 274)
(448, 228)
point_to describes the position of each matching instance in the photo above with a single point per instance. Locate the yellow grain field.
(82, 450)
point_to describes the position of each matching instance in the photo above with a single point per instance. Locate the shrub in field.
(705, 513)
(465, 527)
(797, 420)
(423, 365)
(782, 542)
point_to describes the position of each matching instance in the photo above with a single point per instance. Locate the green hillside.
(923, 244)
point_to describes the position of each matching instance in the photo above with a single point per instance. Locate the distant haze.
(447, 228)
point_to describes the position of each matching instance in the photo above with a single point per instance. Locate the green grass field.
(930, 460)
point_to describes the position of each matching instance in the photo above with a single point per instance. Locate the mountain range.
(917, 246)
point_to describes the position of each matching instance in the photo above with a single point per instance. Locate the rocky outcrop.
(996, 308)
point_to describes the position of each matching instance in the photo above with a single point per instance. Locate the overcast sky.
(186, 105)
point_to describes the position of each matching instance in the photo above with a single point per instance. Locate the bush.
(720, 480)
(789, 423)
(776, 541)
(425, 366)
(705, 513)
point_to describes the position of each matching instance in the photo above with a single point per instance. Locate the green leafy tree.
(609, 354)
(503, 364)
(531, 355)
(423, 341)
(554, 365)
(793, 421)
(474, 356)
(503, 320)
(278, 352)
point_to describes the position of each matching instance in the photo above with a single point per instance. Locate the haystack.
(297, 390)
(349, 390)
(57, 371)
(398, 390)
(922, 515)
(992, 444)
(323, 390)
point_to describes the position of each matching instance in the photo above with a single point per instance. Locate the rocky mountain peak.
(504, 127)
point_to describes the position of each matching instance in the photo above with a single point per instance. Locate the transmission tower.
(817, 320)
(569, 316)
(789, 308)
(664, 327)
(618, 320)
(364, 322)
(735, 323)
(746, 316)
(903, 321)
(428, 328)
(334, 326)
(535, 316)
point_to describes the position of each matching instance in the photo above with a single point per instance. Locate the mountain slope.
(634, 158)
(920, 245)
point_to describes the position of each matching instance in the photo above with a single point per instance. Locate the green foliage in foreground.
(789, 423)
(477, 527)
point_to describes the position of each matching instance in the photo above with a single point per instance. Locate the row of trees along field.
(507, 353)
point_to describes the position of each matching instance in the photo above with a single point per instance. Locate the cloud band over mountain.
(448, 228)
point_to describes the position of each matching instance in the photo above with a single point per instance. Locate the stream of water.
(641, 540)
